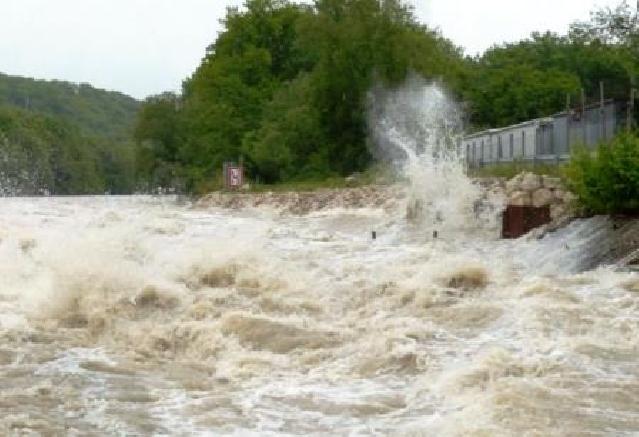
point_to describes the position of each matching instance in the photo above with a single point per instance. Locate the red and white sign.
(234, 176)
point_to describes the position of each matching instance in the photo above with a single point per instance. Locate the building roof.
(536, 121)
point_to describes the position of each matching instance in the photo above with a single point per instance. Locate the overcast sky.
(144, 47)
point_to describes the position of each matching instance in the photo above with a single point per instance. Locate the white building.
(512, 143)
(545, 139)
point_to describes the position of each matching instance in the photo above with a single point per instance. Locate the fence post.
(602, 110)
(634, 97)
(631, 110)
(568, 121)
(583, 116)
(568, 117)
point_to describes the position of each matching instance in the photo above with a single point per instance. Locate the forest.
(284, 89)
(284, 86)
(63, 138)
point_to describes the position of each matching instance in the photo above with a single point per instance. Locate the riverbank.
(386, 197)
(525, 189)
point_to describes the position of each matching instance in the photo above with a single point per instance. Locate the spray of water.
(417, 127)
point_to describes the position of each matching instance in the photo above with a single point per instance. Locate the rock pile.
(529, 189)
(300, 203)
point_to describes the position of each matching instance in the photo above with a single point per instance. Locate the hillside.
(62, 138)
(97, 113)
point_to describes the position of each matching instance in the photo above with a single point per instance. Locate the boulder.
(558, 211)
(520, 198)
(514, 184)
(558, 195)
(542, 197)
(530, 182)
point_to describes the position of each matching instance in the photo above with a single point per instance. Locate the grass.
(302, 185)
(509, 170)
(374, 175)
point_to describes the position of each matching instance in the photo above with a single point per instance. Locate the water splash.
(417, 127)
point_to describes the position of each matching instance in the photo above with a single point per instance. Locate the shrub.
(607, 181)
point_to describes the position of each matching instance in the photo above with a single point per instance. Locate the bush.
(607, 181)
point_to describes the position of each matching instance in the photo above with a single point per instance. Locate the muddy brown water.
(142, 316)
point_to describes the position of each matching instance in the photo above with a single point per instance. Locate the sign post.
(233, 176)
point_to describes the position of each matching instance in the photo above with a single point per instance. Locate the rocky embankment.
(387, 197)
(529, 189)
(524, 189)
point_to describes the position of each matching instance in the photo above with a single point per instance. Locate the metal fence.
(546, 140)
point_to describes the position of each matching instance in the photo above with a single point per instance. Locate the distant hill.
(63, 138)
(96, 112)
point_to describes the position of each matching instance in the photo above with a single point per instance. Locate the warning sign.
(234, 176)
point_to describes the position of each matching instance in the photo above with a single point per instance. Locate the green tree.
(531, 78)
(83, 133)
(157, 133)
(41, 154)
(290, 143)
(618, 25)
(285, 86)
(225, 97)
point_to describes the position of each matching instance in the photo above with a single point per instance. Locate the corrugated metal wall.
(546, 140)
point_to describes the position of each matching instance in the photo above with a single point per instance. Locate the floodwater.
(146, 316)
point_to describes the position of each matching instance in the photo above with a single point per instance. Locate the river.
(147, 316)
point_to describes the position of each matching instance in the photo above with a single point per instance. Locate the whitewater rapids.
(147, 316)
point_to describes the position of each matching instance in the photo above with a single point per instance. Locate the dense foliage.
(96, 112)
(62, 138)
(284, 87)
(41, 154)
(606, 49)
(539, 76)
(607, 181)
